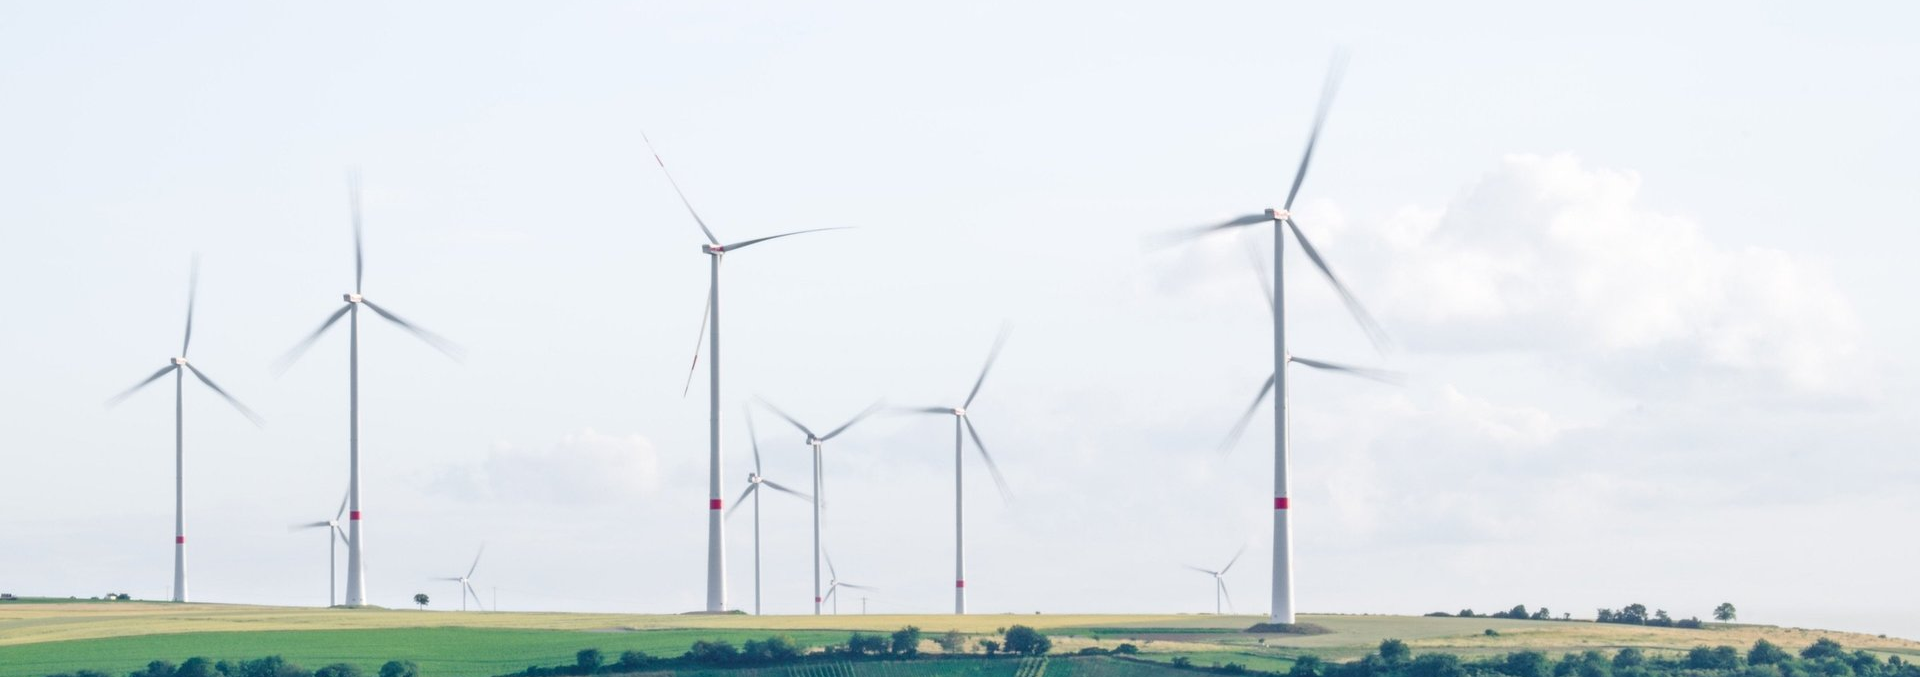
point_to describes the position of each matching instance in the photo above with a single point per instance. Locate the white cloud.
(584, 467)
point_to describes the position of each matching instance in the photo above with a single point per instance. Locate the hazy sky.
(1647, 266)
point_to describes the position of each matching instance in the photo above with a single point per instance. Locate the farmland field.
(44, 638)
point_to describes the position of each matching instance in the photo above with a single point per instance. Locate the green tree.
(588, 661)
(952, 641)
(1518, 611)
(630, 661)
(1630, 657)
(1307, 666)
(1823, 648)
(421, 598)
(1713, 658)
(194, 667)
(1766, 653)
(1395, 652)
(1436, 665)
(906, 641)
(990, 646)
(338, 670)
(1526, 664)
(1027, 641)
(1725, 612)
(154, 669)
(400, 669)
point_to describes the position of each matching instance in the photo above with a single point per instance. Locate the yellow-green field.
(40, 639)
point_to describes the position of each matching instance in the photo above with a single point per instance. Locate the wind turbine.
(1282, 610)
(356, 545)
(466, 582)
(819, 489)
(961, 421)
(834, 585)
(334, 535)
(1220, 581)
(754, 481)
(179, 367)
(716, 519)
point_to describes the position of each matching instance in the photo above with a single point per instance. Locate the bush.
(1126, 649)
(990, 646)
(775, 649)
(718, 652)
(1766, 653)
(1182, 662)
(269, 666)
(906, 642)
(1093, 651)
(1233, 669)
(154, 669)
(1027, 641)
(862, 644)
(1395, 652)
(1436, 665)
(586, 661)
(1306, 666)
(1525, 664)
(1823, 648)
(195, 667)
(1490, 632)
(1715, 658)
(952, 641)
(1629, 657)
(338, 670)
(630, 661)
(399, 669)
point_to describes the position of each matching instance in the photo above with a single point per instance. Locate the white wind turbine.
(754, 481)
(716, 518)
(356, 545)
(335, 535)
(819, 489)
(1283, 607)
(179, 367)
(1220, 581)
(834, 585)
(466, 582)
(961, 421)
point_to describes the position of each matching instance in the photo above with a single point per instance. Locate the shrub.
(1182, 662)
(630, 661)
(861, 644)
(718, 652)
(1715, 658)
(1306, 666)
(587, 661)
(154, 669)
(952, 641)
(1525, 664)
(1631, 657)
(990, 646)
(1233, 669)
(1092, 651)
(194, 667)
(1436, 665)
(1395, 652)
(775, 649)
(906, 642)
(400, 669)
(1126, 649)
(1766, 653)
(269, 666)
(1027, 641)
(338, 670)
(1823, 648)
(1490, 632)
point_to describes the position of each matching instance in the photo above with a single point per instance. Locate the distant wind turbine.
(356, 545)
(834, 585)
(466, 582)
(754, 481)
(961, 421)
(819, 489)
(1220, 581)
(1283, 606)
(179, 367)
(710, 327)
(335, 535)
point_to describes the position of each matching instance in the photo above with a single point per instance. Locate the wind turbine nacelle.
(180, 361)
(353, 298)
(712, 249)
(1279, 214)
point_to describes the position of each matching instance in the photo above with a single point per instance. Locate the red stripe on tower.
(1279, 503)
(713, 504)
(180, 540)
(959, 584)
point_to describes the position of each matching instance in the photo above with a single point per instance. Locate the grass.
(42, 638)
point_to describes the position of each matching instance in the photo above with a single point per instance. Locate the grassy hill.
(49, 637)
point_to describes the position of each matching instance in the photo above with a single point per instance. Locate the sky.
(1645, 268)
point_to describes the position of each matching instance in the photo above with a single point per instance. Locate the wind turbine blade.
(477, 604)
(992, 355)
(999, 482)
(1259, 263)
(699, 341)
(856, 419)
(1327, 91)
(1360, 315)
(1381, 375)
(280, 365)
(753, 438)
(116, 399)
(193, 291)
(244, 411)
(448, 578)
(859, 587)
(1223, 593)
(776, 486)
(476, 560)
(831, 588)
(1208, 572)
(441, 344)
(340, 534)
(790, 419)
(1171, 238)
(741, 500)
(337, 514)
(832, 574)
(309, 525)
(1230, 563)
(1246, 418)
(353, 198)
(757, 240)
(922, 410)
(676, 190)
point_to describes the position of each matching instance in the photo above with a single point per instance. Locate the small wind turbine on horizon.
(180, 367)
(754, 481)
(466, 582)
(1220, 581)
(710, 328)
(1283, 606)
(962, 422)
(335, 535)
(819, 488)
(834, 585)
(356, 545)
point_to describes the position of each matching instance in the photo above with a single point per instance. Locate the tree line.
(1823, 658)
(1631, 614)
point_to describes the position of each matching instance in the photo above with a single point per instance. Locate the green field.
(55, 636)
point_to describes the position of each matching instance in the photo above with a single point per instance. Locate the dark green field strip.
(441, 652)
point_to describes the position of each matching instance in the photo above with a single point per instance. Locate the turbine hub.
(814, 441)
(959, 411)
(1279, 214)
(713, 249)
(353, 298)
(180, 361)
(753, 478)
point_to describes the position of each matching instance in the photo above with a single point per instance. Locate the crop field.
(43, 638)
